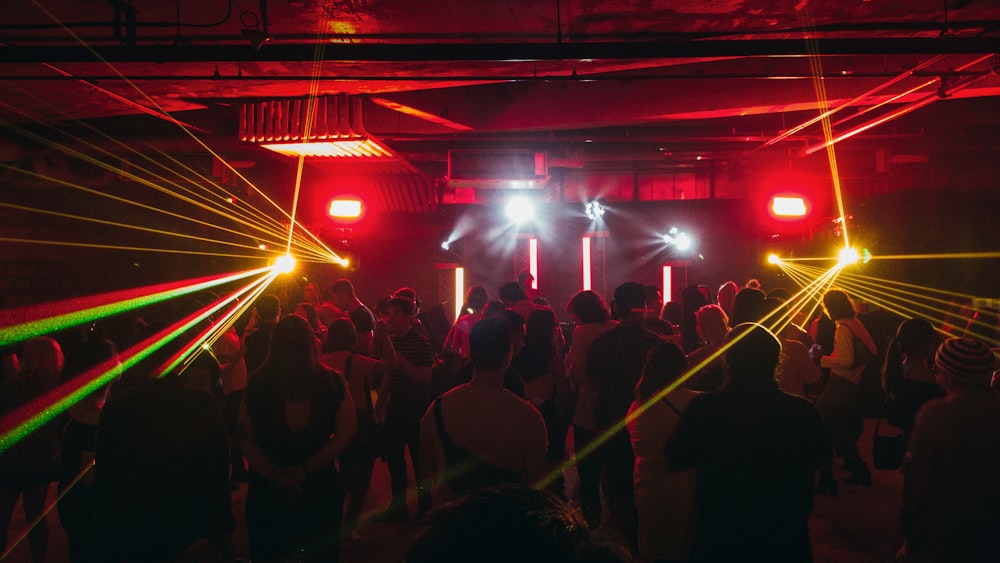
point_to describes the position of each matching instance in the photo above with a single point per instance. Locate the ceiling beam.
(495, 51)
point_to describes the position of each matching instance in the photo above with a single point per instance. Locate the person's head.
(517, 328)
(916, 337)
(654, 300)
(753, 354)
(630, 300)
(706, 293)
(382, 308)
(476, 298)
(713, 324)
(671, 312)
(753, 283)
(341, 335)
(411, 294)
(268, 308)
(748, 307)
(540, 328)
(490, 344)
(727, 292)
(512, 292)
(664, 364)
(41, 360)
(964, 363)
(779, 293)
(588, 307)
(343, 294)
(512, 523)
(493, 307)
(524, 279)
(310, 293)
(292, 347)
(308, 312)
(400, 311)
(838, 305)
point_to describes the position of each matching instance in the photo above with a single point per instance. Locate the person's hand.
(291, 477)
(815, 352)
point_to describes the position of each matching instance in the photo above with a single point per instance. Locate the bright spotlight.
(678, 239)
(284, 264)
(682, 241)
(520, 210)
(594, 210)
(345, 208)
(445, 245)
(773, 259)
(789, 206)
(848, 256)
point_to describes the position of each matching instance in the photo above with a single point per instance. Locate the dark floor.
(857, 526)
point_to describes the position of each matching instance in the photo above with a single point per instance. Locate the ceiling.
(601, 86)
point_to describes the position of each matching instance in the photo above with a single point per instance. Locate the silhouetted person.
(299, 418)
(755, 450)
(409, 390)
(615, 363)
(909, 375)
(462, 444)
(951, 492)
(267, 310)
(592, 318)
(163, 473)
(27, 467)
(838, 403)
(346, 300)
(664, 499)
(92, 359)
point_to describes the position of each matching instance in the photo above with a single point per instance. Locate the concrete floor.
(857, 526)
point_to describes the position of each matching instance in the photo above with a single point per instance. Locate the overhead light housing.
(346, 208)
(789, 206)
(326, 127)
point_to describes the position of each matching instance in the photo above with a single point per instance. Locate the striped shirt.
(402, 387)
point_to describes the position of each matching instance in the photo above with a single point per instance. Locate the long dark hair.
(533, 359)
(664, 364)
(292, 357)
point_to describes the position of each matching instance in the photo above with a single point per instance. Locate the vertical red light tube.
(533, 261)
(667, 283)
(586, 263)
(459, 291)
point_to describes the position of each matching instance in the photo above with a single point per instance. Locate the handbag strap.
(672, 407)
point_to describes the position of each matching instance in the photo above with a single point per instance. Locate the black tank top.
(465, 472)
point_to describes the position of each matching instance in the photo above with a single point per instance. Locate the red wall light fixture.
(788, 206)
(346, 209)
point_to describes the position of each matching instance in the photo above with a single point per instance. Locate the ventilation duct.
(332, 127)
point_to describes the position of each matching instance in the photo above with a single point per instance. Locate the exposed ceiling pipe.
(581, 77)
(944, 92)
(851, 102)
(427, 52)
(893, 99)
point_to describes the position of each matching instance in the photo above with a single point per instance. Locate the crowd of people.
(697, 430)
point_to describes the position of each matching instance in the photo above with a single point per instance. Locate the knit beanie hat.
(966, 359)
